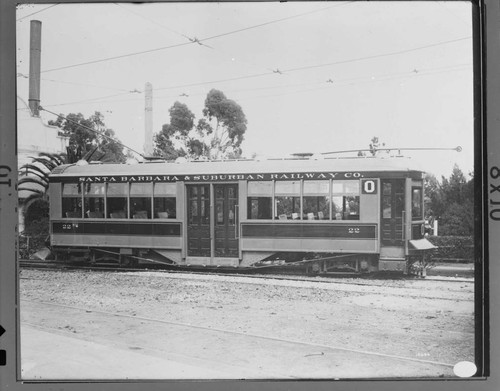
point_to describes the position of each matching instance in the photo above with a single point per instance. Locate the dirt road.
(260, 328)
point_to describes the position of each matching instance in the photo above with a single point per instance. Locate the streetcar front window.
(72, 200)
(416, 203)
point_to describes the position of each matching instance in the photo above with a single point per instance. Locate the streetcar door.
(392, 210)
(225, 221)
(198, 221)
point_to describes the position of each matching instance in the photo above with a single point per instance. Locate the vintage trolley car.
(364, 213)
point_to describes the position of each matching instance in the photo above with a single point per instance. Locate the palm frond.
(58, 158)
(31, 198)
(47, 163)
(40, 193)
(33, 169)
(33, 180)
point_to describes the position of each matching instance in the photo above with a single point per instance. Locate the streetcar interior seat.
(321, 216)
(140, 214)
(118, 215)
(310, 216)
(73, 215)
(282, 217)
(295, 216)
(95, 215)
(162, 215)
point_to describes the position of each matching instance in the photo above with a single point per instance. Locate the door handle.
(236, 231)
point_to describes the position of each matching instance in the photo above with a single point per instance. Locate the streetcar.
(365, 214)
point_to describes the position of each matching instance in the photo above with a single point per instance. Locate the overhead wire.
(37, 12)
(370, 57)
(191, 41)
(321, 85)
(85, 84)
(90, 99)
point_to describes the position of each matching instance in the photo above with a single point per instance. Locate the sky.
(310, 76)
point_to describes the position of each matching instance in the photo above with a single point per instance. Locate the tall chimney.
(35, 55)
(148, 118)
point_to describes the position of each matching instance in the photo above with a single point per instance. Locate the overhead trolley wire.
(191, 41)
(272, 22)
(117, 57)
(320, 85)
(37, 12)
(388, 54)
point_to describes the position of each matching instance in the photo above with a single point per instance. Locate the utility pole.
(148, 120)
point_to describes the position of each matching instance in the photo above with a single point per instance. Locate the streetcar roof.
(363, 164)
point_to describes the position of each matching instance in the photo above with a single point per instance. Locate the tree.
(175, 132)
(86, 138)
(433, 203)
(224, 124)
(451, 202)
(218, 134)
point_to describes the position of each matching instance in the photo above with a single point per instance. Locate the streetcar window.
(316, 200)
(164, 200)
(345, 200)
(72, 200)
(345, 207)
(345, 187)
(140, 200)
(387, 200)
(259, 208)
(351, 208)
(416, 203)
(116, 200)
(260, 200)
(94, 200)
(287, 200)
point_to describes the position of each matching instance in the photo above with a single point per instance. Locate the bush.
(457, 248)
(36, 228)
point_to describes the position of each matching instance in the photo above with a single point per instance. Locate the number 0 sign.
(369, 186)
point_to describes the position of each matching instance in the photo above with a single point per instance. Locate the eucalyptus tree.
(223, 126)
(217, 135)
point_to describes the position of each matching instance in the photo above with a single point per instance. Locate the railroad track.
(263, 272)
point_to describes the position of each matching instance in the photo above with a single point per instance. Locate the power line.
(377, 55)
(84, 84)
(117, 57)
(321, 65)
(320, 85)
(37, 12)
(273, 21)
(191, 41)
(353, 82)
(93, 99)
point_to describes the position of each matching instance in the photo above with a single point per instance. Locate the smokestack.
(35, 55)
(148, 118)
